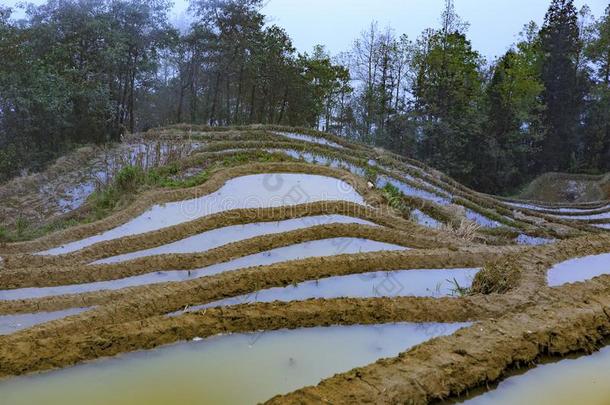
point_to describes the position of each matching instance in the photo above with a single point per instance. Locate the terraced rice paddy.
(296, 258)
(255, 191)
(222, 236)
(409, 283)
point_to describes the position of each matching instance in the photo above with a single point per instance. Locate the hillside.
(564, 188)
(261, 238)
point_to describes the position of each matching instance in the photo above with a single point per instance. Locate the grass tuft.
(496, 277)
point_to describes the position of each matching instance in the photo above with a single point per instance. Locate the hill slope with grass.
(565, 188)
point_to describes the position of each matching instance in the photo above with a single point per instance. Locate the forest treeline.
(79, 71)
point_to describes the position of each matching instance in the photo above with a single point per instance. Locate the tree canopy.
(80, 71)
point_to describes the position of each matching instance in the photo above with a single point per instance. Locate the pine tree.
(597, 116)
(562, 95)
(447, 90)
(513, 130)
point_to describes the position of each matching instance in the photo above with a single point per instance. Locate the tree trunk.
(239, 90)
(215, 99)
(252, 100)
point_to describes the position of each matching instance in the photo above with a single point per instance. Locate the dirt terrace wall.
(442, 366)
(188, 130)
(515, 328)
(322, 149)
(412, 166)
(534, 263)
(395, 170)
(574, 317)
(392, 162)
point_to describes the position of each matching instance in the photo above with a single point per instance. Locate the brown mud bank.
(418, 176)
(146, 305)
(541, 321)
(133, 319)
(190, 130)
(518, 318)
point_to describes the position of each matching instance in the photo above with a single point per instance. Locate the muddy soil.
(554, 321)
(420, 238)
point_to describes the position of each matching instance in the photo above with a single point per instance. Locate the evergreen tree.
(513, 129)
(597, 117)
(447, 91)
(562, 94)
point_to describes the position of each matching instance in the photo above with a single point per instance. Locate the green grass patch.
(395, 199)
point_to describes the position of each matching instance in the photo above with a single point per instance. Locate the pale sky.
(494, 24)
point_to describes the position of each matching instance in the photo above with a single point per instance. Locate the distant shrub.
(9, 163)
(129, 178)
(371, 173)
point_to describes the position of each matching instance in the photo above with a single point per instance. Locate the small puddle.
(524, 239)
(317, 248)
(579, 269)
(13, 323)
(603, 215)
(585, 380)
(425, 220)
(309, 138)
(409, 190)
(253, 191)
(221, 236)
(416, 283)
(229, 369)
(481, 219)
